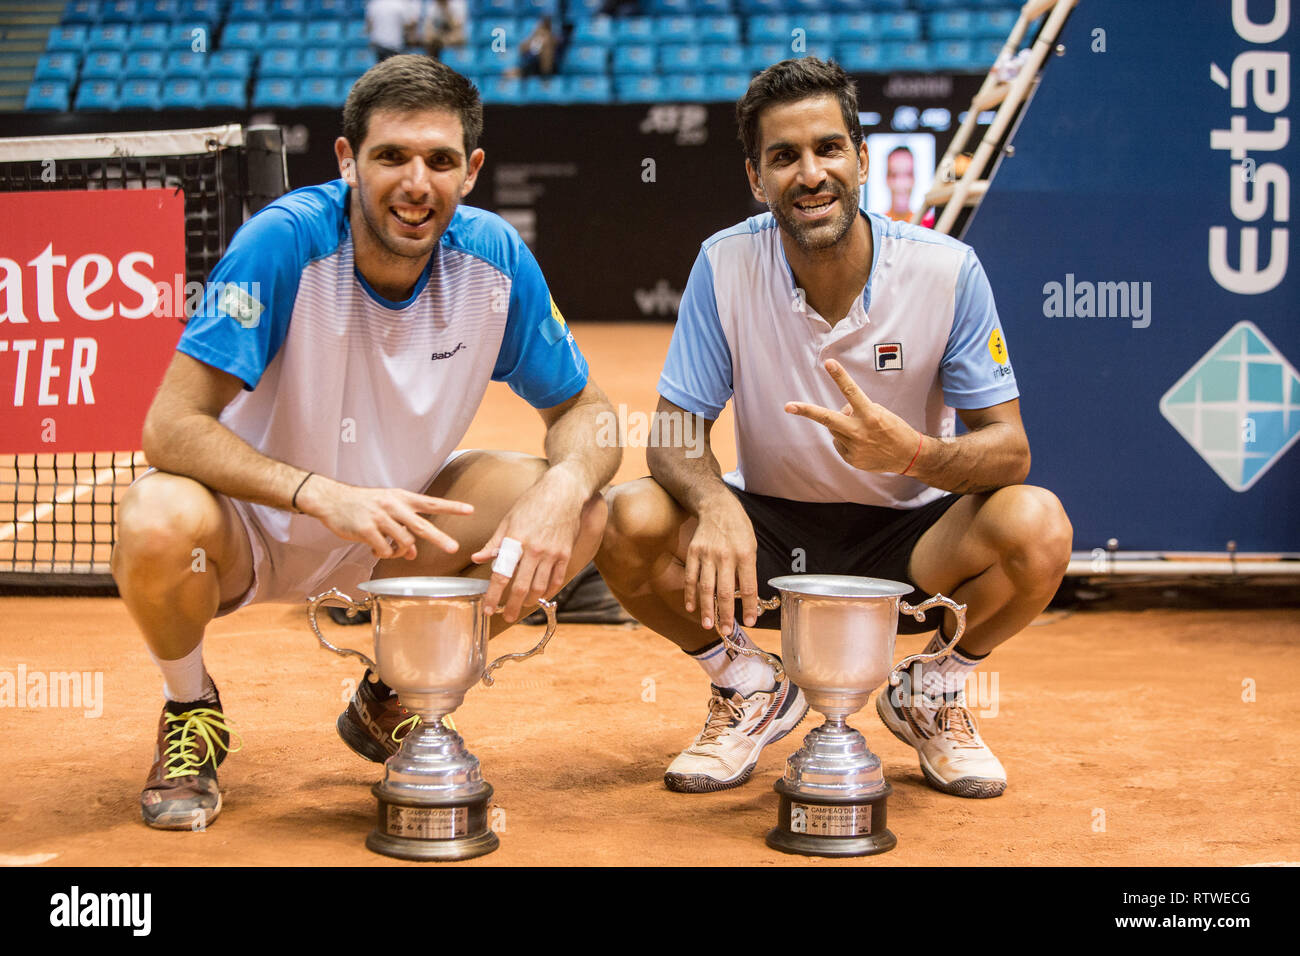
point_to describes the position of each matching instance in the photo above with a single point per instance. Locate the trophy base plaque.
(432, 829)
(830, 826)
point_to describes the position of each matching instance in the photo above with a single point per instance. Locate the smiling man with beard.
(309, 420)
(848, 343)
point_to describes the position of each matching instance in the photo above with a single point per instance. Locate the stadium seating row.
(327, 91)
(233, 64)
(215, 11)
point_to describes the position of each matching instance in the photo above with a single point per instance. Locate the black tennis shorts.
(831, 538)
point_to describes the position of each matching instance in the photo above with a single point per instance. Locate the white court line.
(33, 859)
(43, 510)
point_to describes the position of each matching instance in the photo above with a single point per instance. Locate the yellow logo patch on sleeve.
(555, 328)
(998, 347)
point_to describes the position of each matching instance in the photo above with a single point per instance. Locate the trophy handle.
(768, 605)
(549, 608)
(335, 596)
(918, 612)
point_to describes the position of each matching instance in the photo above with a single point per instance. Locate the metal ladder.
(956, 199)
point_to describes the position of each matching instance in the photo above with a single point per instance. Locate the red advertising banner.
(90, 284)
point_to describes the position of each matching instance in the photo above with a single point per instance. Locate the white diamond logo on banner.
(1239, 406)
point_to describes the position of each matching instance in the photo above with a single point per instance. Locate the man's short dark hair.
(788, 82)
(407, 83)
(899, 149)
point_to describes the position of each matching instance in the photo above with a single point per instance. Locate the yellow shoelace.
(410, 722)
(202, 723)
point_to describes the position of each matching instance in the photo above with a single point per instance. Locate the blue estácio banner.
(1139, 242)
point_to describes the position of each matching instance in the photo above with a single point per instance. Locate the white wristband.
(508, 555)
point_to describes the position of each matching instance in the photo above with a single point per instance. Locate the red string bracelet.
(919, 439)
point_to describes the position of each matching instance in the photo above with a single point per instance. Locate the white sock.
(740, 672)
(184, 679)
(947, 675)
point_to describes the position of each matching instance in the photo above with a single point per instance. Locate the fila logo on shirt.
(889, 356)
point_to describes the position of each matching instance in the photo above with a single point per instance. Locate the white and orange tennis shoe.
(954, 758)
(735, 733)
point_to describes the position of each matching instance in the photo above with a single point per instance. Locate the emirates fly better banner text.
(92, 286)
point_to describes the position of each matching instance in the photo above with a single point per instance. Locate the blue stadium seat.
(279, 61)
(242, 36)
(319, 91)
(759, 56)
(143, 65)
(724, 58)
(149, 36)
(676, 30)
(721, 29)
(545, 89)
(192, 35)
(118, 11)
(96, 95)
(668, 8)
(687, 87)
(502, 89)
(67, 39)
(993, 23)
(254, 11)
(713, 8)
(224, 92)
(854, 26)
(139, 94)
(289, 10)
(210, 12)
(357, 61)
(585, 58)
(634, 58)
(817, 27)
(274, 92)
(594, 30)
(727, 87)
(986, 52)
(328, 10)
(634, 30)
(908, 56)
(323, 33)
(803, 8)
(957, 55)
(949, 25)
(107, 36)
(282, 33)
(769, 29)
(681, 58)
(186, 64)
(47, 95)
(54, 67)
(497, 8)
(885, 5)
(184, 93)
(590, 89)
(354, 33)
(462, 59)
(898, 26)
(83, 12)
(491, 62)
(762, 7)
(158, 11)
(322, 61)
(534, 10)
(862, 57)
(230, 65)
(102, 65)
(929, 5)
(645, 88)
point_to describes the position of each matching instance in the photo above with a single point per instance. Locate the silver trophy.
(837, 644)
(431, 639)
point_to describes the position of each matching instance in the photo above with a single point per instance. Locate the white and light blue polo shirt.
(341, 381)
(922, 340)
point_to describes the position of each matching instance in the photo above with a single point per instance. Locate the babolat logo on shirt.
(553, 326)
(889, 356)
(241, 304)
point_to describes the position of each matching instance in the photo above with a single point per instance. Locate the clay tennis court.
(1131, 737)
